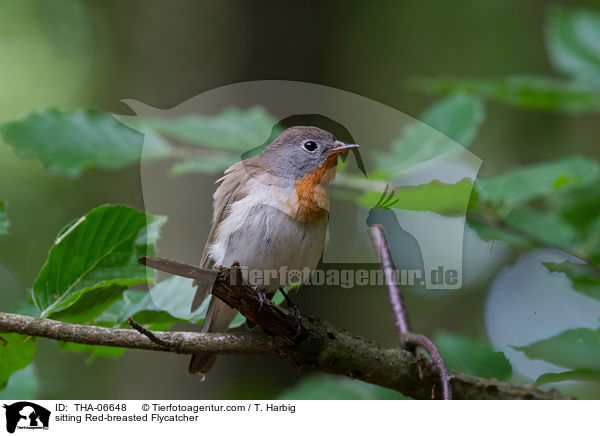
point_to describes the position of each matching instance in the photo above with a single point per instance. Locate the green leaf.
(578, 375)
(175, 295)
(70, 142)
(139, 305)
(576, 349)
(490, 233)
(438, 197)
(93, 350)
(205, 165)
(98, 250)
(580, 206)
(327, 387)
(23, 384)
(233, 129)
(130, 303)
(447, 126)
(237, 321)
(592, 243)
(545, 226)
(3, 219)
(539, 93)
(155, 320)
(458, 117)
(585, 278)
(526, 183)
(572, 38)
(470, 356)
(16, 354)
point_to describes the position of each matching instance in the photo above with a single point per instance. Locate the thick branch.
(323, 347)
(180, 342)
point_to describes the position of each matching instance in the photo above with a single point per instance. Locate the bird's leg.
(261, 297)
(296, 314)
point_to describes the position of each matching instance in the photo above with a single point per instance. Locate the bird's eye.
(310, 146)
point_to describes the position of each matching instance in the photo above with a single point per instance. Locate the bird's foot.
(297, 315)
(261, 297)
(294, 311)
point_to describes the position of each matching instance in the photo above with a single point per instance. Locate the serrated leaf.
(442, 198)
(70, 142)
(585, 278)
(572, 37)
(577, 375)
(470, 356)
(576, 349)
(490, 233)
(98, 250)
(327, 387)
(3, 219)
(16, 354)
(233, 129)
(447, 126)
(526, 183)
(532, 92)
(22, 384)
(545, 226)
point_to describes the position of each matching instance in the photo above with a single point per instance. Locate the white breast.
(260, 233)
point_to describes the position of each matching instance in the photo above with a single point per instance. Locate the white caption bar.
(297, 417)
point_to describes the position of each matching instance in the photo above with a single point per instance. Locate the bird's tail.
(218, 318)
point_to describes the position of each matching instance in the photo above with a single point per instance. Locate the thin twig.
(148, 333)
(385, 258)
(436, 357)
(405, 335)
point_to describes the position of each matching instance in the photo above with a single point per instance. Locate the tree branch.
(181, 342)
(321, 346)
(408, 339)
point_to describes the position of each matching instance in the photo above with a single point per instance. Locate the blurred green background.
(71, 54)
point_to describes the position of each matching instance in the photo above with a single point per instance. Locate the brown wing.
(231, 189)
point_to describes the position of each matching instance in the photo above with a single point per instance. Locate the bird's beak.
(339, 147)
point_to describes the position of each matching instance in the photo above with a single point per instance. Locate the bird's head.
(300, 151)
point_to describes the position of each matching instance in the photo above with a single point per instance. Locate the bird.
(269, 211)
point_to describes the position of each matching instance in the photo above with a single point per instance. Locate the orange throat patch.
(311, 204)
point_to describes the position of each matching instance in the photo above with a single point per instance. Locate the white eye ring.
(310, 146)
